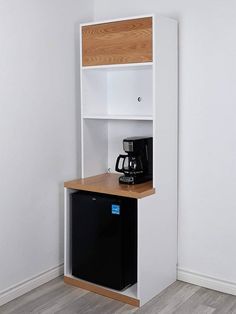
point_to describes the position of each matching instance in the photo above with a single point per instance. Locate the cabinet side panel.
(166, 106)
(118, 42)
(67, 231)
(156, 246)
(158, 213)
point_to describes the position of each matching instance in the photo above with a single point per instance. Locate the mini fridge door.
(99, 239)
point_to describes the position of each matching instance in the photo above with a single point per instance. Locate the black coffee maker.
(137, 164)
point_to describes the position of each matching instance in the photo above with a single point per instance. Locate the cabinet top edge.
(134, 17)
(95, 22)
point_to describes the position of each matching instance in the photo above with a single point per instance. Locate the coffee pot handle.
(118, 161)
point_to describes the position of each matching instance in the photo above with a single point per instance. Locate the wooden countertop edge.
(91, 188)
(108, 184)
(102, 291)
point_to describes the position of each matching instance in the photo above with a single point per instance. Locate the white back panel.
(95, 150)
(124, 88)
(94, 93)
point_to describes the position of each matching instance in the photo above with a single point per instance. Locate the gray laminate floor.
(179, 298)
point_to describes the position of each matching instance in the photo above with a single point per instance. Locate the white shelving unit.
(136, 99)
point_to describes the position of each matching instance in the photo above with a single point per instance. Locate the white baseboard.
(206, 281)
(30, 284)
(182, 274)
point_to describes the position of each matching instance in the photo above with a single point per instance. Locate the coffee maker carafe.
(137, 164)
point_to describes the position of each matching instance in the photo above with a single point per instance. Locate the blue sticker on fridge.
(115, 209)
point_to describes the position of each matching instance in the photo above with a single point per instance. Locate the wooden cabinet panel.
(119, 42)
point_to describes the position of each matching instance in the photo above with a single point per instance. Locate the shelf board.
(108, 183)
(115, 67)
(119, 117)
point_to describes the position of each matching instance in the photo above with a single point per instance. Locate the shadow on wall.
(77, 135)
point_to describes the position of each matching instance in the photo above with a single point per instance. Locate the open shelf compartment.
(118, 91)
(103, 142)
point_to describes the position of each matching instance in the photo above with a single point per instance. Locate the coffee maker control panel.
(128, 180)
(128, 146)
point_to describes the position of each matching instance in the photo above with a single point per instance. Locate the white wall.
(39, 140)
(207, 166)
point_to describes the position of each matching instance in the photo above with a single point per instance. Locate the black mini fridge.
(104, 239)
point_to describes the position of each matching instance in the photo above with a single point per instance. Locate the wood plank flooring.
(56, 297)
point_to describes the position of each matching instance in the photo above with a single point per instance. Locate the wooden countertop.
(108, 183)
